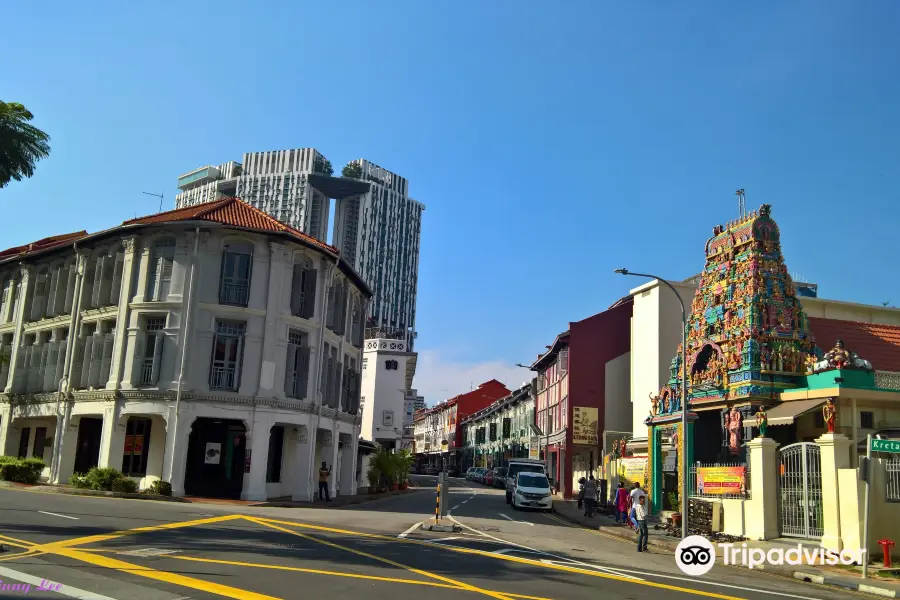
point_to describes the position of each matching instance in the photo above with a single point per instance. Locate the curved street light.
(684, 421)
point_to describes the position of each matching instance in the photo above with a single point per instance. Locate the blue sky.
(550, 145)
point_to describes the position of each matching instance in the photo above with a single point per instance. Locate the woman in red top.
(621, 504)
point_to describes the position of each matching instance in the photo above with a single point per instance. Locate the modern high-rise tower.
(377, 225)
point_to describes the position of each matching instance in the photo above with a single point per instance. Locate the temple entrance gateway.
(800, 491)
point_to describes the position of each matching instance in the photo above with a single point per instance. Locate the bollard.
(437, 504)
(886, 545)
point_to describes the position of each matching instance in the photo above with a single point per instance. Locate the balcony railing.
(234, 293)
(147, 372)
(223, 378)
(386, 333)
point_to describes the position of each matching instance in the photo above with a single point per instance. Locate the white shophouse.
(211, 346)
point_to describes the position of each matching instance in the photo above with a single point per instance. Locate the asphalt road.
(98, 548)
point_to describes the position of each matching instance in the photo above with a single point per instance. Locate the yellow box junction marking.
(67, 548)
(460, 584)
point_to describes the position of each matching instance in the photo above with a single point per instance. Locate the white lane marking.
(202, 514)
(446, 539)
(724, 585)
(617, 572)
(410, 530)
(65, 590)
(44, 512)
(508, 518)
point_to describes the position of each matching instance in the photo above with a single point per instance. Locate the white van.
(521, 465)
(532, 490)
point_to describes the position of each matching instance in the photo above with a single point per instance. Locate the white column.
(122, 318)
(302, 482)
(24, 299)
(333, 479)
(112, 444)
(5, 423)
(834, 454)
(254, 483)
(140, 290)
(762, 507)
(67, 447)
(278, 264)
(348, 468)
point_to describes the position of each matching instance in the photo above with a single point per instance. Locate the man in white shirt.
(640, 517)
(636, 492)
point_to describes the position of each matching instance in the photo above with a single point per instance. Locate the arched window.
(162, 258)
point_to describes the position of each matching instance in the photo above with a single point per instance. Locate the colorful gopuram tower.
(747, 340)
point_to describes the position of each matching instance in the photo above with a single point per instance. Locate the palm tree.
(21, 144)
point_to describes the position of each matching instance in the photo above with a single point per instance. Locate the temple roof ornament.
(839, 357)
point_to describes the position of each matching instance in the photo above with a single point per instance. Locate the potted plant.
(404, 460)
(676, 506)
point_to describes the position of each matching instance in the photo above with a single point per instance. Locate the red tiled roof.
(44, 244)
(229, 211)
(878, 344)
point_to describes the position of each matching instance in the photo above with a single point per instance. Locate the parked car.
(488, 478)
(470, 474)
(412, 470)
(479, 475)
(432, 470)
(500, 477)
(452, 472)
(532, 490)
(521, 465)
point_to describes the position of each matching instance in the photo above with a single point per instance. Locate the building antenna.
(160, 196)
(742, 203)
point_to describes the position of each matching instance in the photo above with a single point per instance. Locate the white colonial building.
(211, 346)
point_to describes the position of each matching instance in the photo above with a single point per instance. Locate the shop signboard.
(584, 426)
(632, 470)
(534, 447)
(721, 481)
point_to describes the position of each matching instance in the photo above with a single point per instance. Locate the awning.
(786, 413)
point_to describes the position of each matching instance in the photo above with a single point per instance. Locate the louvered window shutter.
(158, 346)
(140, 349)
(297, 286)
(115, 292)
(303, 372)
(309, 294)
(51, 296)
(290, 370)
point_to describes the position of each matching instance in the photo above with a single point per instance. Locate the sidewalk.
(338, 502)
(659, 541)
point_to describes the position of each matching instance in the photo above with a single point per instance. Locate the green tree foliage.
(352, 171)
(21, 144)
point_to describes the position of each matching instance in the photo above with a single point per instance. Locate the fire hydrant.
(886, 545)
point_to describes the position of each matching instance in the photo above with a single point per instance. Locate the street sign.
(886, 446)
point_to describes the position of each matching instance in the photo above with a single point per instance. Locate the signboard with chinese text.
(584, 426)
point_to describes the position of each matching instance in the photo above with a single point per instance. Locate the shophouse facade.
(583, 391)
(441, 423)
(212, 347)
(501, 431)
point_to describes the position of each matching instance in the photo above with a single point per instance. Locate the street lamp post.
(684, 420)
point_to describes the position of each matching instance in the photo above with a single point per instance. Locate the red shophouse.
(584, 390)
(439, 423)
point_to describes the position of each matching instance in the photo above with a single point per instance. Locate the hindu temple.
(748, 339)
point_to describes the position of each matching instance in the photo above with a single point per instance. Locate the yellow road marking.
(337, 574)
(460, 584)
(91, 539)
(16, 542)
(517, 559)
(174, 578)
(21, 555)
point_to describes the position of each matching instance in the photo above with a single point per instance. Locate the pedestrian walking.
(640, 518)
(324, 473)
(635, 492)
(590, 496)
(621, 504)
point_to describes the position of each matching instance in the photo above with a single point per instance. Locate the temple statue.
(734, 423)
(762, 421)
(829, 412)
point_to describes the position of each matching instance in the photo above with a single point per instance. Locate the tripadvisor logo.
(695, 555)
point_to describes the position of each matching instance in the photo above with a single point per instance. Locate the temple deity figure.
(762, 421)
(829, 412)
(654, 404)
(838, 357)
(810, 364)
(624, 445)
(735, 424)
(616, 449)
(665, 402)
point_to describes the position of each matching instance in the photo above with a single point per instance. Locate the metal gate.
(800, 490)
